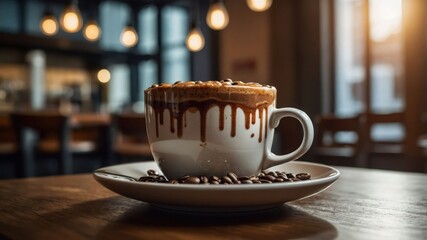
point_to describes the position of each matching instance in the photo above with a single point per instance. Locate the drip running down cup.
(215, 127)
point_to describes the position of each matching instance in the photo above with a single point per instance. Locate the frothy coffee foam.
(179, 97)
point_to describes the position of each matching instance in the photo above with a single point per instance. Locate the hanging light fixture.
(195, 40)
(103, 75)
(217, 17)
(92, 31)
(129, 36)
(48, 24)
(71, 19)
(259, 5)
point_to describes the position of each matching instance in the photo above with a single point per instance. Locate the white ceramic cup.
(191, 141)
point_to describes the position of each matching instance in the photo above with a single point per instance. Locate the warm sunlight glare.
(386, 18)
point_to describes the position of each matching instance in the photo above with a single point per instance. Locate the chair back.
(50, 126)
(393, 129)
(131, 136)
(385, 143)
(42, 122)
(330, 126)
(8, 139)
(338, 139)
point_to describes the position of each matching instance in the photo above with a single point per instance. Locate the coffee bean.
(274, 174)
(177, 82)
(146, 179)
(284, 177)
(228, 80)
(161, 179)
(214, 178)
(152, 172)
(303, 176)
(244, 178)
(182, 179)
(268, 177)
(290, 175)
(278, 180)
(192, 180)
(204, 179)
(252, 178)
(214, 182)
(226, 179)
(232, 176)
(281, 174)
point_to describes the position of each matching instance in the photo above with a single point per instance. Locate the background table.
(362, 204)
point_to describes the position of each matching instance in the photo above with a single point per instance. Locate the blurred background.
(357, 67)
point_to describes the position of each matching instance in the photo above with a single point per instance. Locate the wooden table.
(362, 204)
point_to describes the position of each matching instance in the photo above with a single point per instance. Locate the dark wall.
(296, 66)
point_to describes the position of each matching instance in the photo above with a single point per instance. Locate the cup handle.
(272, 159)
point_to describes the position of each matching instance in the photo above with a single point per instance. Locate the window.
(113, 26)
(118, 87)
(9, 21)
(387, 87)
(148, 77)
(349, 57)
(380, 56)
(176, 57)
(148, 30)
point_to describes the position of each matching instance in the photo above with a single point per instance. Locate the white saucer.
(212, 198)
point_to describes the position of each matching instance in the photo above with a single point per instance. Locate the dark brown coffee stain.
(177, 115)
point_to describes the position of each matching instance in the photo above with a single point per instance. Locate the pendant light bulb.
(48, 24)
(103, 75)
(217, 17)
(259, 5)
(92, 31)
(129, 36)
(71, 19)
(195, 40)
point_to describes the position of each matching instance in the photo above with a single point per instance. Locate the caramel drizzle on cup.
(177, 113)
(178, 98)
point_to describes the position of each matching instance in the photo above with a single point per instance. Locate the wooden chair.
(53, 140)
(131, 141)
(8, 146)
(386, 153)
(331, 145)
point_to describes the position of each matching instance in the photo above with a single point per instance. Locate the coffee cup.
(212, 128)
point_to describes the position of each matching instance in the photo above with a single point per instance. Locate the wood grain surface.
(362, 204)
